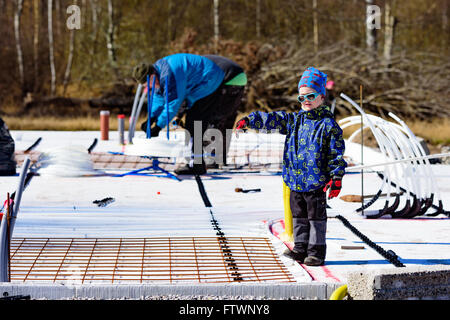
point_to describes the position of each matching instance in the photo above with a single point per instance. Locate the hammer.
(248, 190)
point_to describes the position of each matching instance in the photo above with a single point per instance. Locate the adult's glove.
(335, 186)
(154, 130)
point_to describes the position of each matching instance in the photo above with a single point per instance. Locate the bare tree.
(36, 41)
(216, 21)
(51, 48)
(389, 26)
(371, 31)
(83, 13)
(95, 10)
(70, 57)
(58, 17)
(17, 15)
(444, 22)
(258, 19)
(316, 27)
(110, 38)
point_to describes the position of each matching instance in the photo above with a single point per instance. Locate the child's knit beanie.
(313, 78)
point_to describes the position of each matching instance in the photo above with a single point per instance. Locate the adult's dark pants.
(216, 111)
(309, 219)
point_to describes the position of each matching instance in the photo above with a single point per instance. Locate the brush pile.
(412, 85)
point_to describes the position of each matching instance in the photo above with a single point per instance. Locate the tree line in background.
(402, 64)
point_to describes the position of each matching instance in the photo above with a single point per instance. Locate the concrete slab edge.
(60, 291)
(408, 283)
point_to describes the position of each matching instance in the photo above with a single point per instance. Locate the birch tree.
(70, 57)
(389, 25)
(94, 9)
(17, 15)
(51, 48)
(110, 38)
(371, 27)
(95, 12)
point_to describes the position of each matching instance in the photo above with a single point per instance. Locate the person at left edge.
(209, 87)
(7, 147)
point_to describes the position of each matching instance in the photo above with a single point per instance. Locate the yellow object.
(287, 235)
(340, 293)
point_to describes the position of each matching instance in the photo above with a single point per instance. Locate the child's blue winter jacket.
(314, 146)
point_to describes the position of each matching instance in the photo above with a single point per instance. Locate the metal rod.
(362, 149)
(7, 229)
(149, 104)
(8, 234)
(431, 156)
(167, 105)
(134, 116)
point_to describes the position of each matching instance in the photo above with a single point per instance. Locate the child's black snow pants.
(309, 218)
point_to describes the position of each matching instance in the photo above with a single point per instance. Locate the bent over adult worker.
(208, 88)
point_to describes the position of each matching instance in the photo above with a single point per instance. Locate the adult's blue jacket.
(313, 149)
(186, 77)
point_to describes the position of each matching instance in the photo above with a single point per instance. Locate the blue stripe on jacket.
(313, 149)
(191, 77)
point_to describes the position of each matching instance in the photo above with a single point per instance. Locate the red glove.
(335, 186)
(241, 124)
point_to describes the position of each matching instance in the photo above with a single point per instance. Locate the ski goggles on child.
(309, 97)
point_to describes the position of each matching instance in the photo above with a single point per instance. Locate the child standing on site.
(312, 163)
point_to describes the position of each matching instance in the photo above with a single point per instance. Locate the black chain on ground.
(223, 241)
(389, 255)
(371, 202)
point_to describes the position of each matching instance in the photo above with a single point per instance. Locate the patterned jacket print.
(313, 149)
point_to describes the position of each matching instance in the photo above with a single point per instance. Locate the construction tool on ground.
(247, 190)
(358, 198)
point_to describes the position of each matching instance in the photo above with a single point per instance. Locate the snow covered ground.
(148, 206)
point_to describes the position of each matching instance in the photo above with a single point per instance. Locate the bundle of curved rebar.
(414, 177)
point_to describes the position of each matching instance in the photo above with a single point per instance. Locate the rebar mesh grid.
(160, 260)
(103, 160)
(118, 161)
